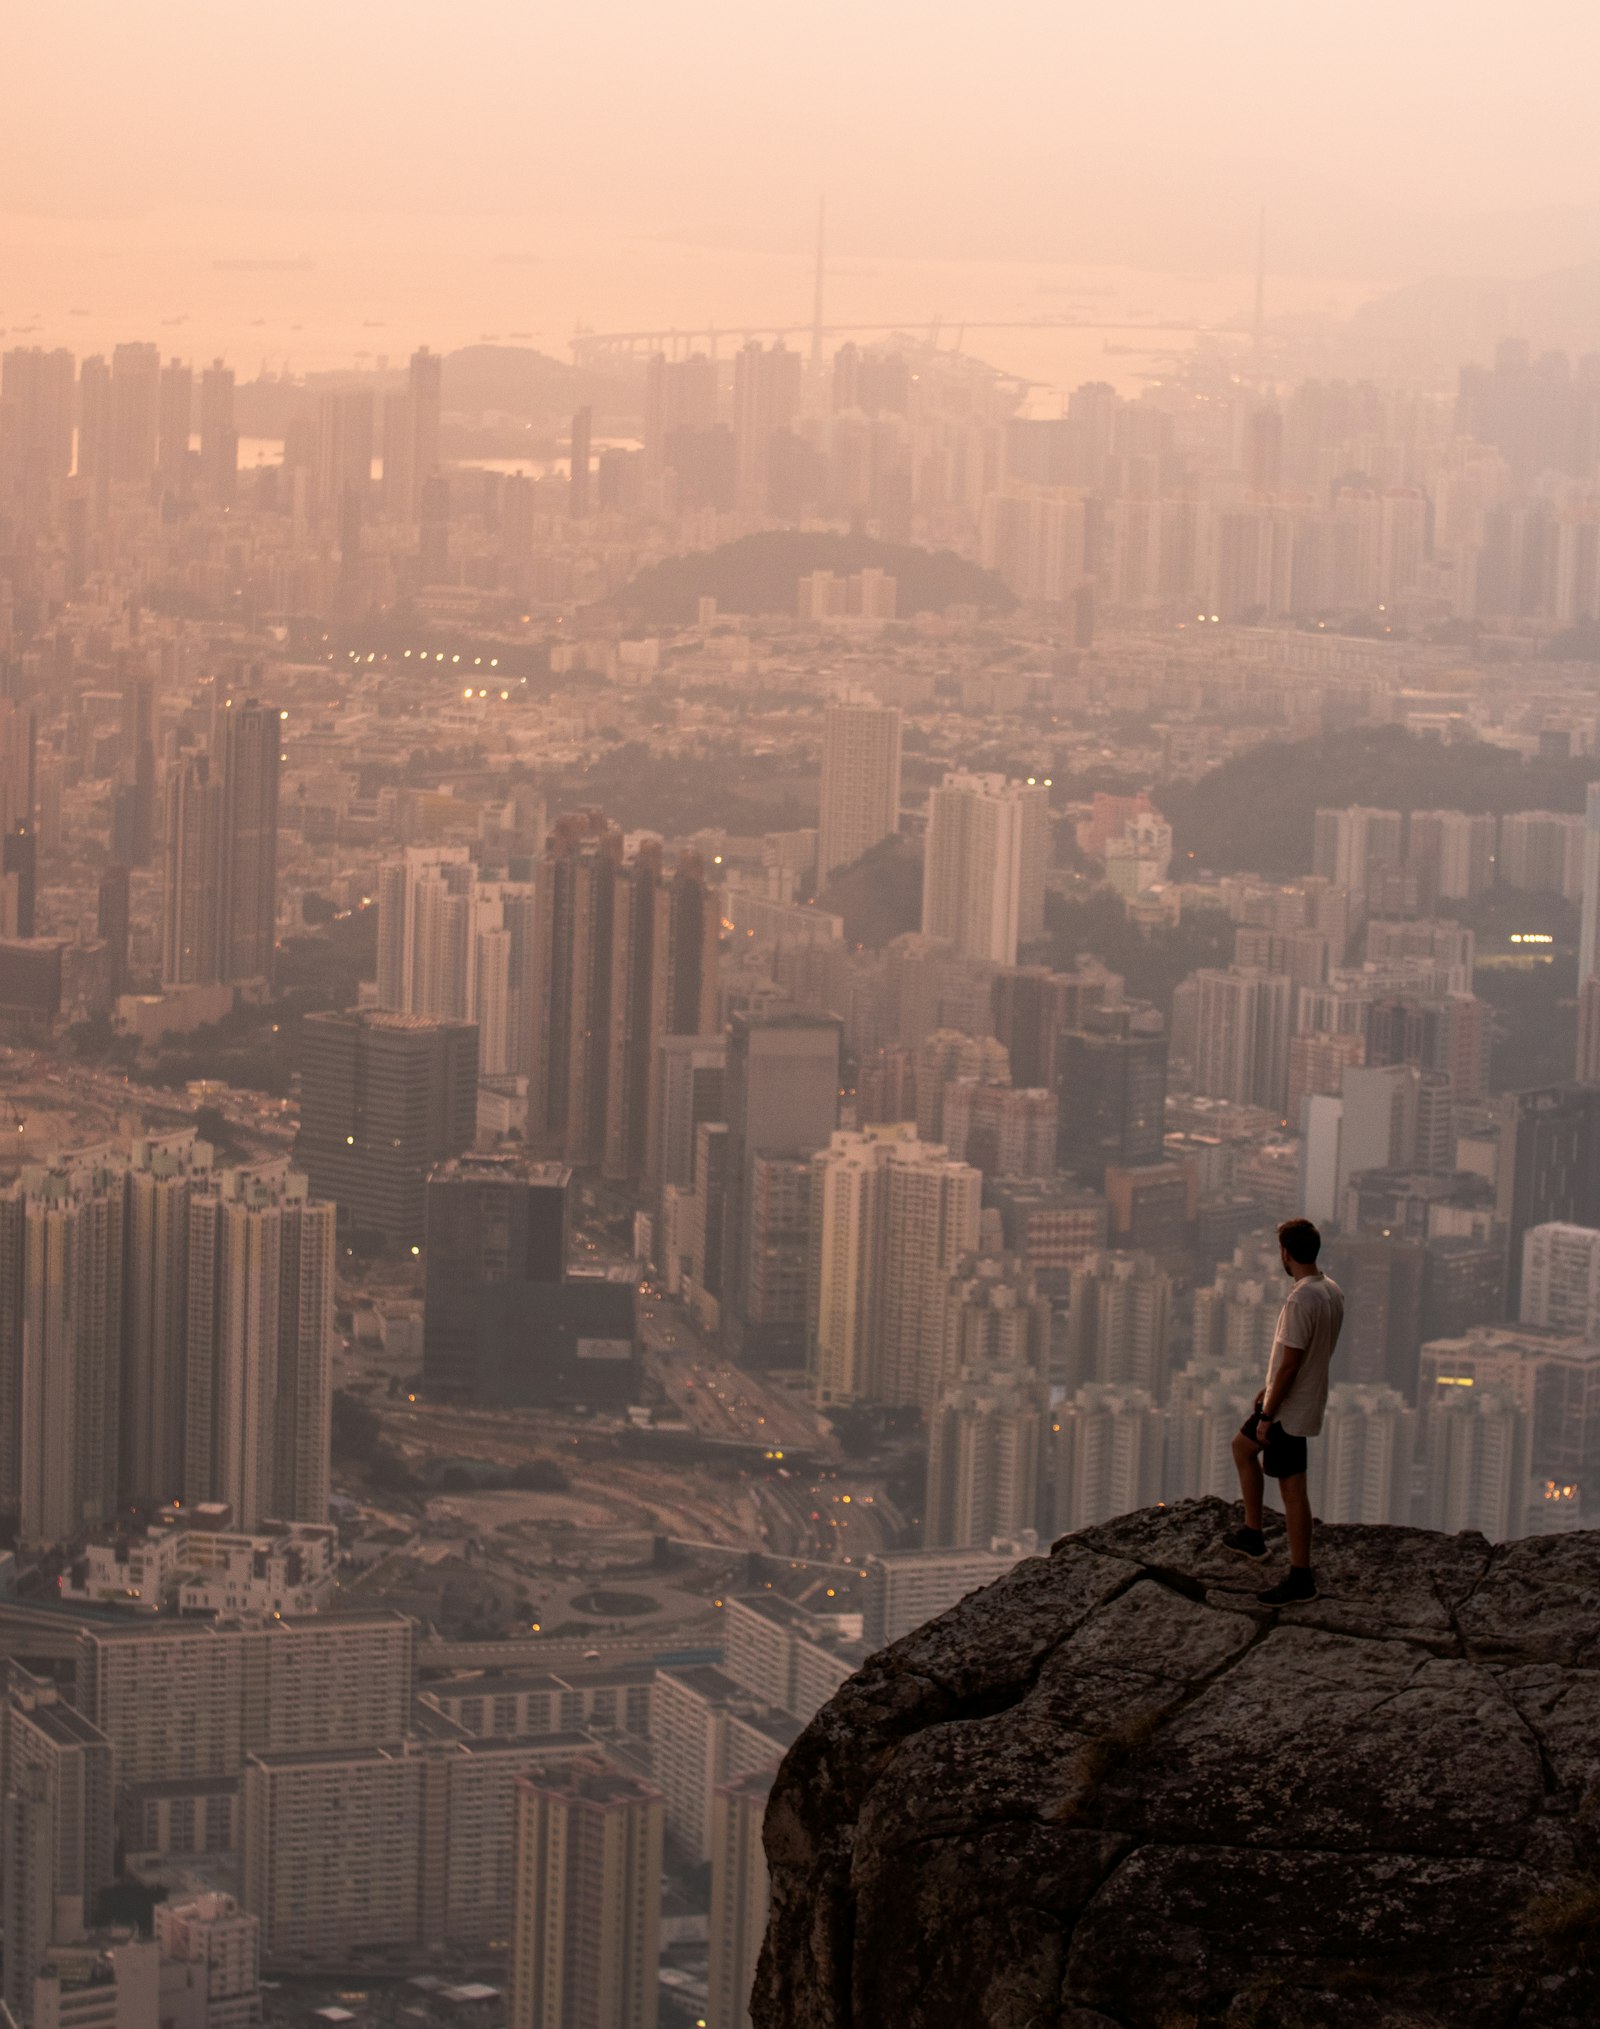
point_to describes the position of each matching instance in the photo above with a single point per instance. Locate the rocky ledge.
(1113, 1792)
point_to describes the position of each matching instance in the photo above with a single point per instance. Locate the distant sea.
(310, 292)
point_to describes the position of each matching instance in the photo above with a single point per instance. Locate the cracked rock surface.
(1111, 1791)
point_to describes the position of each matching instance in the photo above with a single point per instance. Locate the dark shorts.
(1282, 1456)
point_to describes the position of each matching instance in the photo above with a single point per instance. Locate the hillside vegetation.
(758, 574)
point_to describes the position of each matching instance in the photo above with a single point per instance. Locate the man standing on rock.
(1272, 1441)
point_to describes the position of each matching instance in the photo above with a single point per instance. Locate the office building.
(1112, 1073)
(496, 1249)
(1033, 1007)
(782, 1104)
(891, 1218)
(1561, 1278)
(905, 1588)
(384, 1097)
(1107, 1455)
(1363, 1464)
(860, 794)
(987, 849)
(690, 1074)
(1552, 1377)
(585, 1925)
(739, 1895)
(1547, 1165)
(1118, 1323)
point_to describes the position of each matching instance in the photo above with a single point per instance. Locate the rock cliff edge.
(1112, 1792)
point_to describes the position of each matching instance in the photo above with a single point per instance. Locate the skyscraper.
(586, 1897)
(1243, 1027)
(497, 1236)
(260, 1346)
(191, 923)
(249, 738)
(1547, 1165)
(135, 402)
(985, 1456)
(860, 795)
(891, 1218)
(766, 401)
(61, 1321)
(1107, 1454)
(983, 871)
(578, 474)
(782, 1100)
(36, 389)
(163, 1173)
(1113, 1092)
(383, 1098)
(219, 440)
(1118, 1323)
(569, 1055)
(175, 414)
(1589, 904)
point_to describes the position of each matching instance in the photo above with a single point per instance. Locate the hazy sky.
(1049, 129)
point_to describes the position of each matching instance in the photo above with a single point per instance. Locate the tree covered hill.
(758, 574)
(1257, 811)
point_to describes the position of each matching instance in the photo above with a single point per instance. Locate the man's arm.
(1284, 1369)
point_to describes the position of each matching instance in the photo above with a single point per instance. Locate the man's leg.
(1252, 1482)
(1297, 1513)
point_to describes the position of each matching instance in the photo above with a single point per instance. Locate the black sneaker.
(1246, 1543)
(1295, 1590)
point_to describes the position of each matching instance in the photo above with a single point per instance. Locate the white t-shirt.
(1310, 1319)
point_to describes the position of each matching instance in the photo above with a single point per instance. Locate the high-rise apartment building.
(1206, 1404)
(586, 1900)
(860, 795)
(497, 1240)
(331, 1852)
(987, 849)
(163, 1175)
(175, 415)
(985, 1458)
(1363, 1465)
(907, 1587)
(36, 392)
(766, 401)
(260, 1346)
(739, 1895)
(1478, 1471)
(891, 1218)
(1107, 1453)
(1118, 1323)
(383, 1098)
(1243, 1025)
(191, 944)
(1547, 1165)
(1350, 845)
(1587, 1065)
(62, 1254)
(1457, 848)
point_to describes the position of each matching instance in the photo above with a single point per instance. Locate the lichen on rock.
(1111, 1791)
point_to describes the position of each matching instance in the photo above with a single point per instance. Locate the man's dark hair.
(1300, 1240)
